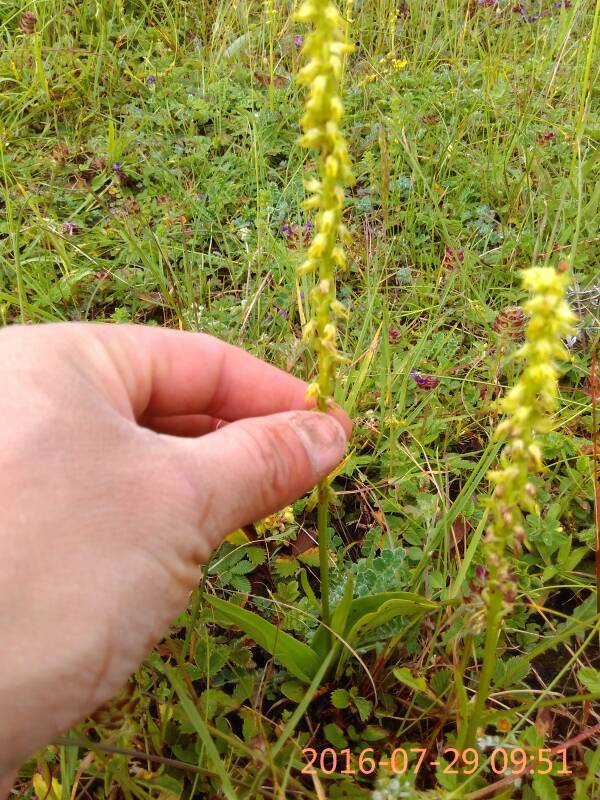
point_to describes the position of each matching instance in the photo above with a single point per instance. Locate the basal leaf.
(298, 658)
(365, 613)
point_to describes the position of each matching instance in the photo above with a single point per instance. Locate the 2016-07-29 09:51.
(465, 762)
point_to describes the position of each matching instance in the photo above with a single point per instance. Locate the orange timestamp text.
(453, 762)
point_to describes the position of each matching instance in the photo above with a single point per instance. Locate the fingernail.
(323, 438)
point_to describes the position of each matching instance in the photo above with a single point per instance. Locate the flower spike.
(325, 48)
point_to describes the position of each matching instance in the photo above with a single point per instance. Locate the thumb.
(254, 467)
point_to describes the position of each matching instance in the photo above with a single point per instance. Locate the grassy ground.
(149, 172)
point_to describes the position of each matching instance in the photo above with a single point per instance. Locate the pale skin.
(118, 477)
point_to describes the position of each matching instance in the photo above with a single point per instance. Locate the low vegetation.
(151, 172)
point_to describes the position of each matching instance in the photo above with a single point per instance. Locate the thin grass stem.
(323, 538)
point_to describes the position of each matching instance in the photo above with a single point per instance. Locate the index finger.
(176, 373)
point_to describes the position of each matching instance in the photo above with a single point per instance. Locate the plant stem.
(462, 701)
(323, 537)
(490, 655)
(324, 49)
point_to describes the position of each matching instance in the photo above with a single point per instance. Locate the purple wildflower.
(393, 335)
(70, 229)
(150, 80)
(298, 41)
(520, 9)
(453, 258)
(427, 382)
(294, 236)
(480, 573)
(120, 173)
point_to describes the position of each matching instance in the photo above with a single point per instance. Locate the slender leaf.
(298, 658)
(406, 603)
(202, 730)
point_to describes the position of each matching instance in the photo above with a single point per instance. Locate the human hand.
(115, 484)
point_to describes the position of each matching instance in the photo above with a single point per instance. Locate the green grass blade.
(202, 731)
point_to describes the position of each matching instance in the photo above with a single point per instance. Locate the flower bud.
(308, 266)
(338, 309)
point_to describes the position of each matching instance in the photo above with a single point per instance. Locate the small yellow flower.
(275, 522)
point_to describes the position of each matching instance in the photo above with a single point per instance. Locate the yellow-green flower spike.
(324, 48)
(527, 407)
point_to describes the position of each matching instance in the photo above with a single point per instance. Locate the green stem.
(462, 701)
(490, 655)
(323, 536)
(196, 603)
